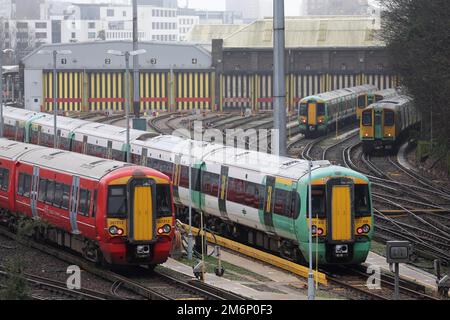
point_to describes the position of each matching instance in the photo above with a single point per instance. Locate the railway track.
(356, 279)
(46, 289)
(156, 285)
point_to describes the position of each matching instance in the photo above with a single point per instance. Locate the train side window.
(163, 201)
(58, 195)
(50, 192)
(24, 188)
(295, 205)
(84, 202)
(184, 177)
(362, 201)
(117, 202)
(94, 205)
(252, 194)
(388, 118)
(42, 190)
(367, 118)
(4, 179)
(281, 203)
(65, 197)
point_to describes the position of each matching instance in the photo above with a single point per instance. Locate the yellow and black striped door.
(236, 92)
(106, 91)
(154, 91)
(68, 90)
(193, 91)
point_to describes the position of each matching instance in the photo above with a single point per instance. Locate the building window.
(41, 35)
(91, 25)
(41, 25)
(110, 12)
(124, 13)
(91, 35)
(74, 35)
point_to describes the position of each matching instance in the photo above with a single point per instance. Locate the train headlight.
(120, 232)
(167, 228)
(113, 230)
(359, 230)
(320, 231)
(366, 228)
(314, 229)
(160, 231)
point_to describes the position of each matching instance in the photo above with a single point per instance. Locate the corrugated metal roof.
(323, 31)
(204, 33)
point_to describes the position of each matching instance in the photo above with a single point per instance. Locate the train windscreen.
(117, 202)
(320, 109)
(367, 118)
(318, 202)
(163, 201)
(388, 118)
(304, 109)
(362, 200)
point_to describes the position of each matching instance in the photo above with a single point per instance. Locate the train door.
(340, 214)
(144, 157)
(109, 150)
(312, 114)
(223, 186)
(176, 178)
(141, 218)
(34, 192)
(84, 147)
(378, 124)
(74, 195)
(268, 204)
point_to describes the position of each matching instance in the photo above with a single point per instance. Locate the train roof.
(72, 163)
(64, 123)
(393, 103)
(233, 157)
(11, 150)
(341, 93)
(109, 132)
(387, 92)
(18, 114)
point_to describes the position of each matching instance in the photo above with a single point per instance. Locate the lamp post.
(127, 55)
(311, 293)
(55, 54)
(1, 87)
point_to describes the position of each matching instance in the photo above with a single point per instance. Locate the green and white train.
(253, 197)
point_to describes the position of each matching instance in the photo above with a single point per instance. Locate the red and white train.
(108, 211)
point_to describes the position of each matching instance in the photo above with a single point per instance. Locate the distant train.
(257, 198)
(108, 211)
(384, 123)
(317, 114)
(380, 95)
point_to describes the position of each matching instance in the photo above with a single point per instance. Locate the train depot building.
(225, 69)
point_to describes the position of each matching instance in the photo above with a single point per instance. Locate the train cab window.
(65, 197)
(24, 187)
(303, 109)
(362, 101)
(318, 202)
(320, 109)
(117, 202)
(84, 202)
(163, 201)
(50, 192)
(367, 118)
(4, 179)
(362, 201)
(388, 118)
(58, 195)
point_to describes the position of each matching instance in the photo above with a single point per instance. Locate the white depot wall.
(33, 89)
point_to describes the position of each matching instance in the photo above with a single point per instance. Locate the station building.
(221, 68)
